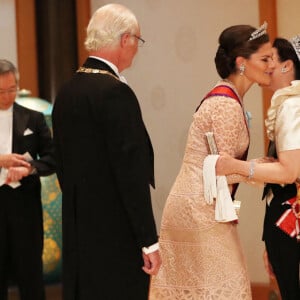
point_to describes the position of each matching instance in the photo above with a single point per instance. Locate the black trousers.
(21, 242)
(283, 251)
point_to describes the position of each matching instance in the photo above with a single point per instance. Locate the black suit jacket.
(21, 217)
(104, 166)
(281, 193)
(39, 143)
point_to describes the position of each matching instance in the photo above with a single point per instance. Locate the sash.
(227, 91)
(289, 222)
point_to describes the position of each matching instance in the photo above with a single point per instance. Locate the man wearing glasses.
(105, 167)
(26, 152)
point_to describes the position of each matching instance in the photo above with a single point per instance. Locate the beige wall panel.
(8, 36)
(288, 15)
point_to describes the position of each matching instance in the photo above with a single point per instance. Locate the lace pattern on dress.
(202, 259)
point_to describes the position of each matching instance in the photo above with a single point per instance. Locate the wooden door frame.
(268, 13)
(27, 43)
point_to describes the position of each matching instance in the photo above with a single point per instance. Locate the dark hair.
(285, 52)
(233, 42)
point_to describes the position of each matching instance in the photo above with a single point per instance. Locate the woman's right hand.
(224, 164)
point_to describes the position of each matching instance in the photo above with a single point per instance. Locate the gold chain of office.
(96, 71)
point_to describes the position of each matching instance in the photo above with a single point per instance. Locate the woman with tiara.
(282, 194)
(202, 257)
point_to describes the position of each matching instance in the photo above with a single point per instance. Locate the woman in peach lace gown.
(201, 258)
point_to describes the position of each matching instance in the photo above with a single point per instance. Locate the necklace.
(96, 71)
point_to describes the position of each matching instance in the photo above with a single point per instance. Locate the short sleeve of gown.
(287, 128)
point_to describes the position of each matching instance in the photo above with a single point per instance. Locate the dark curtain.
(56, 44)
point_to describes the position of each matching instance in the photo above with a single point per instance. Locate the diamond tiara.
(259, 31)
(295, 41)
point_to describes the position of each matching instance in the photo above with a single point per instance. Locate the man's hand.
(152, 262)
(13, 160)
(17, 173)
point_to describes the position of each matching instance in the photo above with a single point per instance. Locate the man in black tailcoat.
(105, 167)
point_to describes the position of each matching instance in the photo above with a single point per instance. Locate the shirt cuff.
(150, 249)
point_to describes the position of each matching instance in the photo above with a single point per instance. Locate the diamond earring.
(242, 69)
(283, 70)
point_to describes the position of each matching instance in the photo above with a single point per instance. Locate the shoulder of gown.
(288, 125)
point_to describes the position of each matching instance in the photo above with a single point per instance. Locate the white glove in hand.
(224, 210)
(209, 178)
(216, 188)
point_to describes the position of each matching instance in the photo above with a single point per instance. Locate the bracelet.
(251, 169)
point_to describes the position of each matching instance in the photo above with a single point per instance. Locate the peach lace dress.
(202, 259)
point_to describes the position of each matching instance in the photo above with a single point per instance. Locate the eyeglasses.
(141, 41)
(9, 91)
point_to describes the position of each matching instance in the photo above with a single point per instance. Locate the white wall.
(288, 18)
(8, 49)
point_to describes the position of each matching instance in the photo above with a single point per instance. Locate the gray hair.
(8, 67)
(108, 24)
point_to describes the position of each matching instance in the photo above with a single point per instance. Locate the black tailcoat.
(105, 166)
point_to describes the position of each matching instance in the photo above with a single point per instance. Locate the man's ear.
(124, 39)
